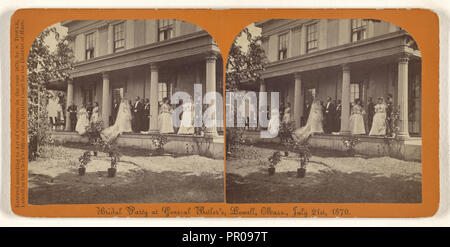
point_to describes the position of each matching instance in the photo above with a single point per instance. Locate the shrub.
(159, 142)
(274, 159)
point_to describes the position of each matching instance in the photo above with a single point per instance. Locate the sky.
(50, 40)
(242, 41)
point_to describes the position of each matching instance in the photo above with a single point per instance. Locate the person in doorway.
(146, 115)
(115, 110)
(357, 126)
(72, 109)
(328, 114)
(137, 115)
(338, 115)
(389, 112)
(370, 113)
(287, 113)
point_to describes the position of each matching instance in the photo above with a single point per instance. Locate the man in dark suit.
(306, 109)
(338, 115)
(138, 109)
(328, 115)
(72, 109)
(146, 115)
(115, 110)
(89, 109)
(389, 110)
(370, 113)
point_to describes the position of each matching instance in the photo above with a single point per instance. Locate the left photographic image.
(125, 111)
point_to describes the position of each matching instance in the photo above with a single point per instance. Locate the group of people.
(132, 117)
(325, 118)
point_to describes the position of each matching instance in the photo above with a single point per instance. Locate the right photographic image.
(324, 111)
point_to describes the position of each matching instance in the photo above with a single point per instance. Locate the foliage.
(274, 159)
(285, 132)
(159, 142)
(395, 121)
(43, 66)
(93, 133)
(350, 142)
(234, 139)
(85, 159)
(245, 65)
(112, 149)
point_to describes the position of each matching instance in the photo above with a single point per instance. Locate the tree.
(245, 66)
(43, 66)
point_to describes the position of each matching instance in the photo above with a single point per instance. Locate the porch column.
(345, 99)
(403, 95)
(154, 111)
(211, 87)
(298, 106)
(262, 86)
(69, 102)
(106, 100)
(110, 39)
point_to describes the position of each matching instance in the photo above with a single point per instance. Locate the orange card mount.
(224, 113)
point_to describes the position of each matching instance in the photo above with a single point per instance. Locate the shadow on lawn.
(326, 187)
(139, 186)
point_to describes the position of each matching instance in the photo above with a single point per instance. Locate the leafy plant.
(274, 159)
(285, 132)
(159, 142)
(93, 133)
(85, 159)
(44, 66)
(112, 149)
(234, 139)
(350, 142)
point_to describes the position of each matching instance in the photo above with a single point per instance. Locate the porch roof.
(194, 46)
(385, 46)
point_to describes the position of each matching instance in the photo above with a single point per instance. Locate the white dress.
(186, 127)
(379, 121)
(357, 126)
(313, 125)
(287, 115)
(165, 120)
(82, 121)
(94, 116)
(122, 123)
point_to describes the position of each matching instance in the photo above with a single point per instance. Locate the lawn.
(331, 178)
(140, 178)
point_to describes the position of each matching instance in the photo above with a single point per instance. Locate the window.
(162, 91)
(165, 29)
(359, 29)
(354, 91)
(282, 46)
(90, 46)
(312, 37)
(119, 37)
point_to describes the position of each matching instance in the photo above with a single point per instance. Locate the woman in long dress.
(95, 116)
(287, 114)
(357, 126)
(165, 118)
(122, 123)
(83, 120)
(379, 119)
(313, 125)
(187, 118)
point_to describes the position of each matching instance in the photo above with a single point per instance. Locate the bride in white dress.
(313, 125)
(187, 118)
(379, 120)
(83, 120)
(122, 123)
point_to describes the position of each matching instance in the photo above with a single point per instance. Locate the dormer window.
(90, 46)
(119, 37)
(165, 29)
(359, 29)
(282, 46)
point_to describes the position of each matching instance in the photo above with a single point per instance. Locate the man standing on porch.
(329, 112)
(137, 115)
